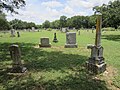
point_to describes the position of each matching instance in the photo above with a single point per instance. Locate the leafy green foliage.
(4, 25)
(46, 24)
(11, 5)
(18, 24)
(63, 21)
(111, 13)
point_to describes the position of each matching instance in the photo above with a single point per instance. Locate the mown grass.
(57, 67)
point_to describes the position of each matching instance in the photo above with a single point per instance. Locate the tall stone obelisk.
(96, 62)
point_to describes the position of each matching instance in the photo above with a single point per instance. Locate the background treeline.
(110, 13)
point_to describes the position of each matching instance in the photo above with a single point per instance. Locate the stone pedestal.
(15, 54)
(44, 42)
(96, 62)
(71, 40)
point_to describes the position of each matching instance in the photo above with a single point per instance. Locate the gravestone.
(71, 40)
(44, 42)
(65, 30)
(12, 33)
(96, 62)
(15, 54)
(93, 28)
(25, 30)
(78, 32)
(33, 28)
(55, 38)
(18, 34)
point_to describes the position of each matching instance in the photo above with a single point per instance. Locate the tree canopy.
(11, 5)
(110, 13)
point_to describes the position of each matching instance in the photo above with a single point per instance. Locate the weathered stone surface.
(12, 33)
(44, 42)
(96, 62)
(71, 40)
(15, 54)
(78, 32)
(96, 68)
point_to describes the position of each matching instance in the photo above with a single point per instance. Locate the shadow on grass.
(111, 37)
(38, 60)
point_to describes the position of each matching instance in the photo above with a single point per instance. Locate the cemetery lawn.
(59, 68)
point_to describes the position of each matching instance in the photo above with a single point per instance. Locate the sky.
(38, 11)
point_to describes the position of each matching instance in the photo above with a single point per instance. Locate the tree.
(63, 21)
(46, 24)
(19, 24)
(4, 25)
(69, 23)
(11, 5)
(110, 13)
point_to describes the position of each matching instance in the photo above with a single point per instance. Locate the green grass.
(58, 68)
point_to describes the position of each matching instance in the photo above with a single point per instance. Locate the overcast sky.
(38, 11)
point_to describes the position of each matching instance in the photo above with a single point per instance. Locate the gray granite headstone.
(15, 54)
(71, 40)
(12, 33)
(44, 42)
(78, 32)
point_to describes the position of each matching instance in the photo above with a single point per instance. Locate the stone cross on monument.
(96, 62)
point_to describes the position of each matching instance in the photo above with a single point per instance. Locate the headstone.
(55, 38)
(33, 28)
(12, 33)
(15, 54)
(44, 42)
(71, 40)
(74, 28)
(96, 62)
(25, 30)
(18, 34)
(93, 28)
(78, 32)
(65, 30)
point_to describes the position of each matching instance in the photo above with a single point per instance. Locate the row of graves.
(95, 63)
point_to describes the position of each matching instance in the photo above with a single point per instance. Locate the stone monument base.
(40, 45)
(55, 40)
(71, 46)
(18, 69)
(96, 68)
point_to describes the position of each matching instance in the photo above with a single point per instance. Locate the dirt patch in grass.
(109, 75)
